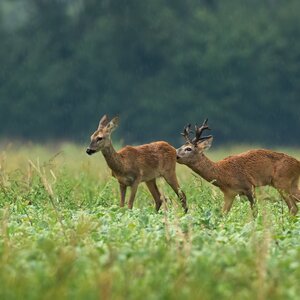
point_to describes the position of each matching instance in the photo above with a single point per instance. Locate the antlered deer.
(240, 174)
(133, 165)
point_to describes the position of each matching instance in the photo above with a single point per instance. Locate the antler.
(199, 131)
(186, 133)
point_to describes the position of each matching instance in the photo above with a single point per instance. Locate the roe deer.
(240, 174)
(133, 165)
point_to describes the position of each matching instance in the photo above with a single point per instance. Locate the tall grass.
(63, 236)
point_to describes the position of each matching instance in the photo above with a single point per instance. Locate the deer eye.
(99, 138)
(188, 149)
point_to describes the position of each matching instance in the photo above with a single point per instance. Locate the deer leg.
(251, 197)
(288, 192)
(295, 192)
(296, 195)
(294, 207)
(151, 184)
(172, 181)
(288, 198)
(123, 194)
(228, 200)
(132, 194)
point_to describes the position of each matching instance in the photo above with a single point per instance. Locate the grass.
(63, 236)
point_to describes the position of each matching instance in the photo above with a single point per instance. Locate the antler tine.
(186, 133)
(199, 131)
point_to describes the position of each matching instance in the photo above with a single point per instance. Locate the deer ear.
(113, 124)
(205, 144)
(103, 122)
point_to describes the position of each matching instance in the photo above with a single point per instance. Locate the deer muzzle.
(177, 156)
(90, 151)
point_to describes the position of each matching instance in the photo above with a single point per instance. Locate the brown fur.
(133, 165)
(240, 174)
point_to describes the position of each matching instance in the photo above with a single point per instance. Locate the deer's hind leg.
(250, 194)
(151, 184)
(172, 181)
(289, 193)
(289, 200)
(295, 191)
(134, 187)
(294, 197)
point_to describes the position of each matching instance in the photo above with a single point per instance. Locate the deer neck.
(206, 168)
(112, 158)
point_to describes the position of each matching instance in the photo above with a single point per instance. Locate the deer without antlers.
(240, 174)
(133, 165)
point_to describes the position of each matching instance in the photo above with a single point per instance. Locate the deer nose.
(89, 151)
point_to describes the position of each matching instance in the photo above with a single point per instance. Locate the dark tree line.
(158, 64)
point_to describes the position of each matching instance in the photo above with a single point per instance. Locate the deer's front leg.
(123, 194)
(228, 200)
(132, 194)
(250, 194)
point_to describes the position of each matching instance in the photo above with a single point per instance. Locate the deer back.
(149, 160)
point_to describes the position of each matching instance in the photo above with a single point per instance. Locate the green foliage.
(159, 64)
(63, 236)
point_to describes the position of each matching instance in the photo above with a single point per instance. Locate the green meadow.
(63, 235)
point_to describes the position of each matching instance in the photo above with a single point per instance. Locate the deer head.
(197, 145)
(101, 137)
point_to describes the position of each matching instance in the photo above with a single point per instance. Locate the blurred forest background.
(159, 64)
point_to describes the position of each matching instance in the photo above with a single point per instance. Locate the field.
(63, 235)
